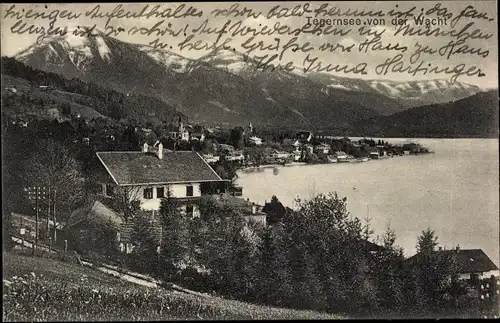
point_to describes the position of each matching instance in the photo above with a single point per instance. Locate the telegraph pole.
(36, 225)
(47, 234)
(40, 193)
(54, 217)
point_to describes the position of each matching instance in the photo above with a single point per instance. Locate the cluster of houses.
(302, 146)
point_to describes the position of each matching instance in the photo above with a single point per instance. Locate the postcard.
(250, 160)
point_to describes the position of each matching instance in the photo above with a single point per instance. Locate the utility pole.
(40, 193)
(54, 217)
(47, 234)
(37, 190)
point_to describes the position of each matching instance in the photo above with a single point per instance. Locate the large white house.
(149, 174)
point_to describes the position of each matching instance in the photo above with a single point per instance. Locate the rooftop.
(96, 213)
(139, 168)
(468, 260)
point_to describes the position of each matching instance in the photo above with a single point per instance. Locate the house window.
(160, 192)
(110, 190)
(189, 211)
(148, 193)
(189, 190)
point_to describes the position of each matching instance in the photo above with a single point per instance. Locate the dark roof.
(96, 213)
(134, 168)
(240, 204)
(468, 260)
(370, 246)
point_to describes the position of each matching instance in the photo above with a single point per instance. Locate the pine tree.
(175, 239)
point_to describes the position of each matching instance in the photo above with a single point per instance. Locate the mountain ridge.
(228, 88)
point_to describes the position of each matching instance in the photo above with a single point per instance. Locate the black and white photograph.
(259, 160)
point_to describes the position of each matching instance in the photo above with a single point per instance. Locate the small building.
(178, 132)
(472, 264)
(11, 89)
(341, 157)
(323, 148)
(251, 211)
(211, 159)
(255, 140)
(84, 221)
(412, 148)
(197, 136)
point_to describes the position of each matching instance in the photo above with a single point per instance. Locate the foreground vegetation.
(41, 289)
(316, 257)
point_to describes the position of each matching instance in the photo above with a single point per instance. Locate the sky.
(12, 43)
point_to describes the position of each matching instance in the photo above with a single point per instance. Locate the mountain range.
(224, 86)
(474, 116)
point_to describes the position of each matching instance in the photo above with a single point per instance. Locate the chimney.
(458, 249)
(145, 147)
(160, 151)
(254, 208)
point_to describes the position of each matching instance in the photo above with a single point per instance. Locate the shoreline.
(248, 169)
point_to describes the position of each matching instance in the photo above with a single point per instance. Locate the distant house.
(178, 132)
(209, 158)
(148, 176)
(341, 157)
(22, 123)
(411, 148)
(45, 87)
(11, 89)
(280, 155)
(251, 211)
(323, 148)
(309, 148)
(473, 264)
(256, 140)
(199, 136)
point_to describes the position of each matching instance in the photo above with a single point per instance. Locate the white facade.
(150, 200)
(484, 275)
(256, 140)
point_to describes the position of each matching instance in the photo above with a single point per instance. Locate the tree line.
(315, 257)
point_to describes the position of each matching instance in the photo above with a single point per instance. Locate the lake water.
(454, 191)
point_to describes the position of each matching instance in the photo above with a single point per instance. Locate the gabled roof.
(138, 168)
(240, 204)
(468, 260)
(96, 213)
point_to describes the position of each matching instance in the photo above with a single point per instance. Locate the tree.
(388, 267)
(273, 285)
(53, 165)
(175, 238)
(236, 137)
(435, 273)
(275, 210)
(125, 201)
(427, 242)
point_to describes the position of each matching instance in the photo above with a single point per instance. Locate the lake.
(454, 191)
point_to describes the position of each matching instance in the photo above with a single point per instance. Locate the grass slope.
(46, 289)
